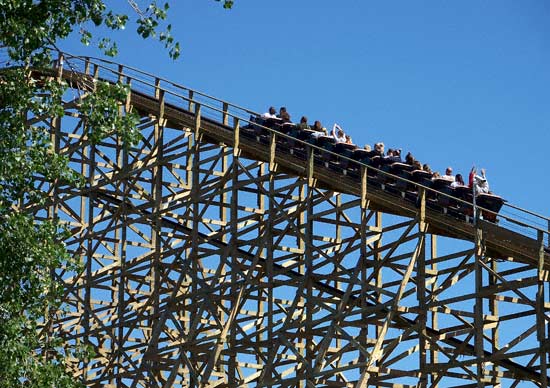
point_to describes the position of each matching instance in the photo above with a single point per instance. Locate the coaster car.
(465, 194)
(422, 177)
(328, 143)
(493, 204)
(361, 155)
(404, 171)
(443, 186)
(272, 122)
(346, 150)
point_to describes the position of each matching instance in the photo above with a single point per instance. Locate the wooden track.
(500, 241)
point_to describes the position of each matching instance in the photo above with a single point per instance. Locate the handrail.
(159, 78)
(528, 212)
(225, 111)
(186, 98)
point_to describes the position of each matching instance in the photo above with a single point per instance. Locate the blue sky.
(455, 82)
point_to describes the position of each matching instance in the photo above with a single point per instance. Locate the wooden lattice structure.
(214, 257)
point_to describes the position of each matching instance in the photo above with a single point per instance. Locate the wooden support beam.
(196, 299)
(307, 243)
(541, 314)
(231, 377)
(493, 309)
(434, 356)
(271, 215)
(364, 209)
(478, 307)
(225, 114)
(421, 293)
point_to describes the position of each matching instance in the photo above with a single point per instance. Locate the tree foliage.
(31, 251)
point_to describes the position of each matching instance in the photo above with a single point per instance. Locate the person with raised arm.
(338, 134)
(479, 182)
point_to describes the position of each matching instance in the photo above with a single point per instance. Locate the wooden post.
(191, 105)
(263, 300)
(421, 291)
(225, 115)
(120, 73)
(157, 88)
(269, 248)
(60, 61)
(233, 246)
(434, 357)
(363, 332)
(195, 205)
(378, 257)
(493, 308)
(88, 308)
(478, 308)
(338, 236)
(308, 237)
(87, 66)
(122, 281)
(120, 246)
(540, 311)
(156, 223)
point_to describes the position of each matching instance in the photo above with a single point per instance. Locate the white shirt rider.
(338, 134)
(480, 182)
(271, 114)
(448, 175)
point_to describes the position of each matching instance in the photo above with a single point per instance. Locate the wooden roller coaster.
(221, 253)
